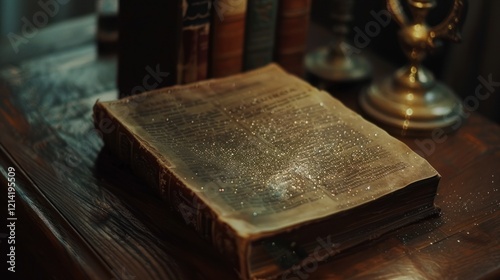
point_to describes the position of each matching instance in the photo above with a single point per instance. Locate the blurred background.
(12, 11)
(458, 65)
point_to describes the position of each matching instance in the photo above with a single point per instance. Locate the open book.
(274, 172)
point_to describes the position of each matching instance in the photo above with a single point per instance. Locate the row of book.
(246, 34)
(193, 40)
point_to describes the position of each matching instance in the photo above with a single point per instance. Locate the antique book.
(149, 41)
(193, 56)
(227, 37)
(260, 33)
(275, 173)
(291, 34)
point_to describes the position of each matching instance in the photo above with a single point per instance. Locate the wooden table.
(81, 214)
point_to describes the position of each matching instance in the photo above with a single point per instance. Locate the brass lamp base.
(411, 100)
(337, 68)
(411, 111)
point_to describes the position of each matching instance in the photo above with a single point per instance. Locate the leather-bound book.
(275, 173)
(149, 40)
(193, 56)
(291, 34)
(227, 37)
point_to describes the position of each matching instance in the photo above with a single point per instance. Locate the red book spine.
(228, 37)
(291, 34)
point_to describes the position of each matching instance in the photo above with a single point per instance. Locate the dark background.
(459, 66)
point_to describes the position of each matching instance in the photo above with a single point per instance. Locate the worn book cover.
(193, 56)
(268, 168)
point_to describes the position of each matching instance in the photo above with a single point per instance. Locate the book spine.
(260, 33)
(203, 43)
(158, 175)
(291, 35)
(148, 48)
(193, 54)
(228, 37)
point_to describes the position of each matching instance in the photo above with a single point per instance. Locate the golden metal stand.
(411, 100)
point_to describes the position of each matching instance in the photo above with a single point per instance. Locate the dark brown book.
(227, 37)
(193, 56)
(291, 34)
(149, 41)
(203, 49)
(275, 173)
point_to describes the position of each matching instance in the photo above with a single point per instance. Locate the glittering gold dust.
(270, 144)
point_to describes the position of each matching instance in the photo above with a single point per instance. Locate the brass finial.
(411, 100)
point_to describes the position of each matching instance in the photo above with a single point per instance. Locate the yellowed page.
(267, 151)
